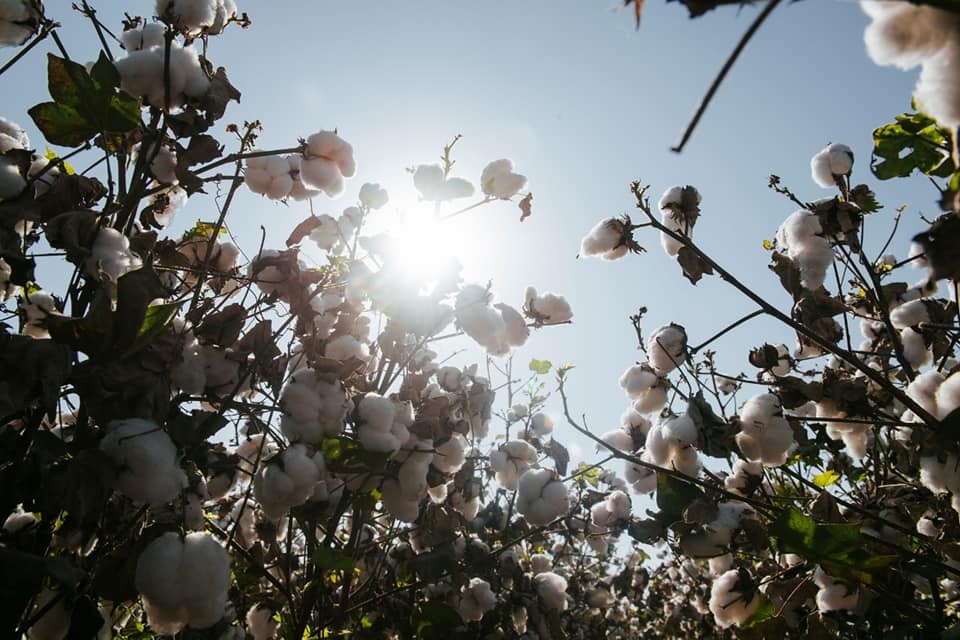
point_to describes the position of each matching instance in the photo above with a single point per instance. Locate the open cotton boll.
(372, 195)
(680, 431)
(831, 162)
(18, 21)
(515, 329)
(606, 240)
(196, 16)
(269, 176)
(346, 347)
(511, 460)
(733, 598)
(615, 508)
(327, 232)
(618, 439)
(34, 308)
(476, 599)
(314, 406)
(260, 622)
(948, 396)
(552, 589)
(903, 34)
(923, 389)
(909, 314)
(450, 455)
(11, 182)
(542, 424)
(384, 423)
(548, 308)
(430, 181)
(328, 159)
(110, 255)
(285, 481)
(183, 582)
(499, 181)
(915, 349)
(146, 459)
(745, 477)
(12, 135)
(142, 72)
(834, 595)
(937, 92)
(667, 348)
(541, 497)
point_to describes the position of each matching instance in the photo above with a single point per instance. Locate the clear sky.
(583, 104)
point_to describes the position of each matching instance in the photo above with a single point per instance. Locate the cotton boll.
(34, 308)
(12, 135)
(745, 478)
(641, 479)
(18, 21)
(197, 16)
(384, 423)
(373, 196)
(904, 35)
(542, 424)
(327, 161)
(499, 181)
(286, 481)
(512, 460)
(11, 182)
(606, 240)
(638, 379)
(515, 329)
(549, 308)
(552, 589)
(667, 348)
(937, 92)
(183, 582)
(260, 622)
(909, 314)
(430, 181)
(314, 405)
(830, 163)
(948, 396)
(110, 255)
(915, 350)
(450, 455)
(541, 497)
(680, 431)
(147, 461)
(614, 509)
(476, 599)
(733, 598)
(833, 595)
(618, 439)
(346, 347)
(18, 520)
(923, 389)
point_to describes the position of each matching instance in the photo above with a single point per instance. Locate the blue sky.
(583, 104)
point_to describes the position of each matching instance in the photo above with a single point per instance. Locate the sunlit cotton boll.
(903, 34)
(834, 595)
(830, 163)
(552, 589)
(110, 255)
(434, 186)
(548, 308)
(373, 196)
(183, 582)
(384, 423)
(18, 21)
(12, 135)
(314, 405)
(813, 254)
(542, 424)
(476, 599)
(733, 598)
(499, 181)
(142, 72)
(938, 92)
(606, 240)
(667, 348)
(12, 183)
(269, 176)
(615, 508)
(196, 16)
(679, 210)
(286, 481)
(328, 159)
(146, 459)
(450, 455)
(511, 460)
(948, 396)
(541, 497)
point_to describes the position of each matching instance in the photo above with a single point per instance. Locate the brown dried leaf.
(525, 204)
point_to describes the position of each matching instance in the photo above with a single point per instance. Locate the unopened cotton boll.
(830, 163)
(183, 582)
(146, 459)
(328, 159)
(541, 497)
(476, 599)
(733, 598)
(667, 348)
(499, 181)
(552, 589)
(606, 240)
(18, 21)
(315, 406)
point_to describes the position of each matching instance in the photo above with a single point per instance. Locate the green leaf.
(913, 142)
(61, 124)
(764, 612)
(540, 367)
(673, 497)
(344, 455)
(332, 560)
(156, 319)
(104, 74)
(826, 478)
(68, 82)
(434, 619)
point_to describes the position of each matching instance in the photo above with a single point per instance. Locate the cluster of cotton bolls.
(511, 460)
(277, 177)
(287, 480)
(496, 327)
(110, 256)
(765, 435)
(904, 34)
(476, 599)
(679, 210)
(183, 582)
(314, 406)
(733, 598)
(801, 237)
(832, 163)
(609, 239)
(541, 496)
(146, 460)
(548, 308)
(194, 17)
(142, 69)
